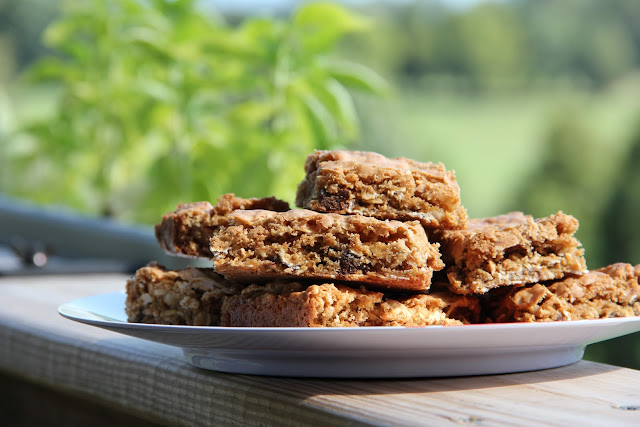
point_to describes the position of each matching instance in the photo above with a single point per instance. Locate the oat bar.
(260, 245)
(611, 291)
(511, 249)
(193, 296)
(187, 230)
(366, 183)
(296, 304)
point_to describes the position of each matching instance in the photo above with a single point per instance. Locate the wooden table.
(46, 360)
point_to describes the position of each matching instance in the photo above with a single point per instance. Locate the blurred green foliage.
(572, 178)
(163, 103)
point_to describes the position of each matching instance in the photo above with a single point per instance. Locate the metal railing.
(53, 240)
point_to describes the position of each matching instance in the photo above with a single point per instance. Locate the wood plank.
(153, 381)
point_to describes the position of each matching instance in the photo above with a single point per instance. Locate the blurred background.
(122, 109)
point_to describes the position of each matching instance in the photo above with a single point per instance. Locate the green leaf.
(356, 76)
(58, 33)
(320, 25)
(343, 107)
(150, 41)
(320, 120)
(251, 112)
(49, 69)
(328, 14)
(336, 99)
(157, 90)
(230, 45)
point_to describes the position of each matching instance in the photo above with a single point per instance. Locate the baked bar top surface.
(191, 296)
(334, 305)
(612, 291)
(260, 244)
(187, 230)
(358, 182)
(492, 237)
(511, 249)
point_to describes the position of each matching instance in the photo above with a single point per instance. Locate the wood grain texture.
(153, 381)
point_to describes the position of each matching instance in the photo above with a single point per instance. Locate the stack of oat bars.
(376, 242)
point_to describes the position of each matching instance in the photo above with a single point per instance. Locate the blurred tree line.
(503, 45)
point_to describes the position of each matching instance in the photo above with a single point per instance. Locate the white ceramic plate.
(367, 352)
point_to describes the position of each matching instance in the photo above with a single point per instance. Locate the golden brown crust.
(334, 305)
(203, 298)
(511, 249)
(187, 230)
(265, 245)
(366, 183)
(612, 291)
(193, 296)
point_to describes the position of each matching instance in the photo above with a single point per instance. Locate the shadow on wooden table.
(352, 387)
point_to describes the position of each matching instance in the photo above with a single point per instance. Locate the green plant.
(162, 102)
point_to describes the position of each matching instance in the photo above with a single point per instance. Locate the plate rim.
(368, 352)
